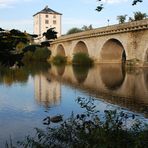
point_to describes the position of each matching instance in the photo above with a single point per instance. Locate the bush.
(82, 59)
(58, 60)
(89, 130)
(39, 54)
(74, 30)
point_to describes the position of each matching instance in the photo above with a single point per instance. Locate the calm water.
(29, 94)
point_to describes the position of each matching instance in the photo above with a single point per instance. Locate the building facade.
(45, 19)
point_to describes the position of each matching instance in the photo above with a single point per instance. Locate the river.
(29, 94)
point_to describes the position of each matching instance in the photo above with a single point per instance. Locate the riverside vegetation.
(79, 59)
(16, 48)
(88, 129)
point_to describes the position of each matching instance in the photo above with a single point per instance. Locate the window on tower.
(54, 22)
(46, 21)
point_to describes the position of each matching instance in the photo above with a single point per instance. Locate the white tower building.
(45, 19)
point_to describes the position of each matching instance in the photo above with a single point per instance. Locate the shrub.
(89, 130)
(74, 30)
(58, 60)
(82, 59)
(39, 54)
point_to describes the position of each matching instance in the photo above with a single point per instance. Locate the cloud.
(114, 1)
(6, 3)
(10, 3)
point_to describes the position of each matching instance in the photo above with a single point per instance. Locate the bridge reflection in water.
(110, 82)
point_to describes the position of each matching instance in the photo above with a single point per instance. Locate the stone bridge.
(111, 44)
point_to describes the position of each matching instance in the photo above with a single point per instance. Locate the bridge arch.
(113, 51)
(80, 47)
(60, 50)
(112, 75)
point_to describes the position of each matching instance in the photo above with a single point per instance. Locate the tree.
(50, 34)
(101, 6)
(136, 1)
(85, 28)
(74, 30)
(138, 16)
(8, 43)
(121, 18)
(10, 40)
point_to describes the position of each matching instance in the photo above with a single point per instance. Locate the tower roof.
(47, 10)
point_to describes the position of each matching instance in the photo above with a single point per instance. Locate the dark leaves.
(136, 1)
(50, 34)
(2, 29)
(99, 8)
(45, 43)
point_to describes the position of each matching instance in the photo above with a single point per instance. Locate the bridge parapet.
(103, 31)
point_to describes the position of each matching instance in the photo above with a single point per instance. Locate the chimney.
(46, 7)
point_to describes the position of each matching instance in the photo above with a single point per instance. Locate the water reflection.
(22, 107)
(145, 71)
(61, 70)
(112, 75)
(10, 76)
(110, 82)
(47, 91)
(80, 73)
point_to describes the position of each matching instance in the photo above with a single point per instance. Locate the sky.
(18, 14)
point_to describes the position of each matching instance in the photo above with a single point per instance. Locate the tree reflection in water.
(20, 75)
(80, 73)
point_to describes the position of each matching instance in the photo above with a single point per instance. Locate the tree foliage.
(8, 43)
(88, 130)
(50, 34)
(12, 41)
(85, 28)
(101, 6)
(121, 18)
(74, 30)
(138, 16)
(136, 1)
